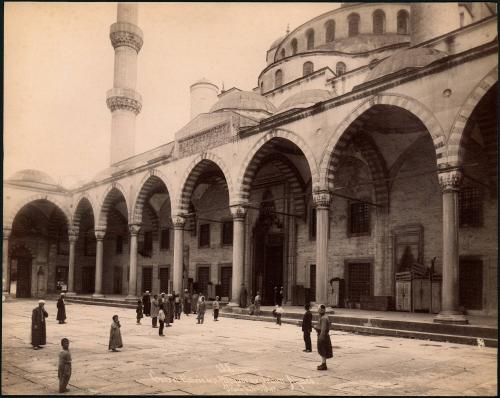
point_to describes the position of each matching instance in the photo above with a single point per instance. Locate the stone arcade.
(367, 149)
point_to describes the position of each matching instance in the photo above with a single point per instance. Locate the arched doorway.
(20, 272)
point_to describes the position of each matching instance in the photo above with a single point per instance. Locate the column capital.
(178, 221)
(6, 233)
(134, 229)
(239, 212)
(99, 234)
(450, 180)
(72, 236)
(126, 34)
(322, 199)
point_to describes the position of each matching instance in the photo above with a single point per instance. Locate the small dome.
(31, 175)
(304, 99)
(243, 100)
(276, 42)
(411, 58)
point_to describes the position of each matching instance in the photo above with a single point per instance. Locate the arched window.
(353, 22)
(294, 46)
(278, 78)
(310, 39)
(329, 31)
(403, 18)
(307, 68)
(378, 22)
(282, 53)
(340, 68)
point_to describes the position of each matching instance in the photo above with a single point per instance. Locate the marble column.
(5, 260)
(178, 223)
(132, 278)
(322, 200)
(239, 213)
(450, 182)
(99, 235)
(72, 237)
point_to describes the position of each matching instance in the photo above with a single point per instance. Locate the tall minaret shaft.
(123, 101)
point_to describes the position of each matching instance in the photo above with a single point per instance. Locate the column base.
(6, 296)
(451, 317)
(97, 295)
(132, 298)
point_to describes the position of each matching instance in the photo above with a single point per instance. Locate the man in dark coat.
(243, 296)
(61, 309)
(307, 327)
(187, 302)
(38, 331)
(280, 297)
(146, 302)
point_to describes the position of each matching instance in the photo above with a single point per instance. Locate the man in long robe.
(38, 331)
(146, 302)
(61, 309)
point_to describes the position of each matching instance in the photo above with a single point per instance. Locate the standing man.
(154, 311)
(187, 302)
(38, 331)
(243, 296)
(280, 297)
(64, 368)
(61, 309)
(275, 295)
(146, 302)
(307, 327)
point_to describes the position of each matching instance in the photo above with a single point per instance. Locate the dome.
(31, 175)
(304, 99)
(411, 58)
(276, 42)
(243, 100)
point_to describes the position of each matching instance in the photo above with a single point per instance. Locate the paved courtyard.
(230, 357)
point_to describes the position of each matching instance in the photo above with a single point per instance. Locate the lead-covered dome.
(276, 42)
(32, 176)
(304, 99)
(410, 58)
(237, 100)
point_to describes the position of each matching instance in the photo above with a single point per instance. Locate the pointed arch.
(77, 215)
(455, 145)
(13, 213)
(353, 122)
(112, 192)
(149, 181)
(252, 160)
(193, 171)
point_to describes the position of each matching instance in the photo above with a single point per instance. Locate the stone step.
(113, 302)
(371, 330)
(472, 331)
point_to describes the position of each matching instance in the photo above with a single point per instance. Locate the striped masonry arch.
(457, 141)
(259, 151)
(112, 193)
(150, 182)
(355, 122)
(77, 215)
(191, 175)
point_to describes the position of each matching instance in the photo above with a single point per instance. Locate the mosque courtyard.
(229, 357)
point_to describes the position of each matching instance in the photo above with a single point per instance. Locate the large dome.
(243, 100)
(276, 42)
(304, 99)
(411, 58)
(33, 176)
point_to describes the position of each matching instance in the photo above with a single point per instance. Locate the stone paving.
(230, 357)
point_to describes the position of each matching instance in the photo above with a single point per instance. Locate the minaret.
(123, 101)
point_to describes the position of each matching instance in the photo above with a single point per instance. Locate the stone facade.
(290, 182)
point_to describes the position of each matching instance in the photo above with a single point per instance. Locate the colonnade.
(450, 181)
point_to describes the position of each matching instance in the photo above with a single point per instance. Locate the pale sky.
(58, 65)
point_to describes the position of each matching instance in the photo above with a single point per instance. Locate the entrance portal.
(269, 265)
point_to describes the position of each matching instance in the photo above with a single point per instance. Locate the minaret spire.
(123, 101)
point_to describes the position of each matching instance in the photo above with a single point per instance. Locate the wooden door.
(471, 284)
(23, 287)
(164, 276)
(226, 280)
(359, 281)
(312, 282)
(203, 279)
(88, 280)
(147, 279)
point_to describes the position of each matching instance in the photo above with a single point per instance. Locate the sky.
(58, 65)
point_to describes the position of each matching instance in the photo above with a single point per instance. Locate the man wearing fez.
(38, 331)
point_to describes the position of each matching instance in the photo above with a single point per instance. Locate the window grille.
(204, 235)
(359, 218)
(470, 205)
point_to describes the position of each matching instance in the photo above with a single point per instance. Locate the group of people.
(39, 339)
(165, 309)
(168, 307)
